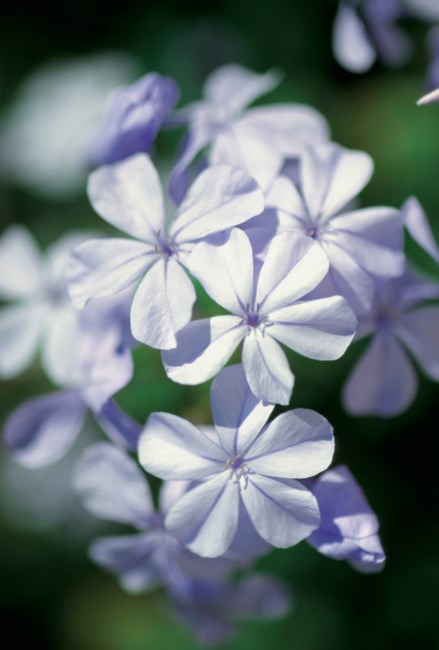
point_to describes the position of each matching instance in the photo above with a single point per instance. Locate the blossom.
(112, 486)
(41, 313)
(241, 465)
(384, 382)
(357, 243)
(96, 365)
(265, 308)
(128, 195)
(258, 140)
(134, 116)
(349, 527)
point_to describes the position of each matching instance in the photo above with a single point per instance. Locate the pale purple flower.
(433, 68)
(97, 364)
(258, 139)
(365, 30)
(129, 196)
(134, 116)
(40, 314)
(112, 486)
(213, 609)
(404, 325)
(266, 309)
(349, 527)
(417, 225)
(244, 466)
(358, 243)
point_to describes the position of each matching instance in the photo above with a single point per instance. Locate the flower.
(384, 382)
(266, 307)
(128, 195)
(42, 313)
(357, 243)
(97, 364)
(349, 527)
(134, 116)
(242, 465)
(257, 140)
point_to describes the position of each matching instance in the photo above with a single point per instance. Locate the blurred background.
(58, 63)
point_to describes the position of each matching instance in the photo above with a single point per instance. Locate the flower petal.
(283, 512)
(130, 557)
(266, 368)
(297, 444)
(162, 305)
(206, 518)
(419, 331)
(417, 224)
(221, 197)
(102, 267)
(111, 486)
(128, 195)
(173, 449)
(226, 272)
(42, 430)
(350, 41)
(294, 265)
(20, 331)
(203, 348)
(237, 413)
(20, 264)
(235, 87)
(383, 382)
(318, 329)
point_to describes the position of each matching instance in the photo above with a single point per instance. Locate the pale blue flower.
(242, 465)
(267, 308)
(129, 196)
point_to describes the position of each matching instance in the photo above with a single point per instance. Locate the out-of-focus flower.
(349, 527)
(258, 140)
(46, 133)
(242, 465)
(133, 118)
(42, 313)
(129, 196)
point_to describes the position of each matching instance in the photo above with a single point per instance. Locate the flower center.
(166, 245)
(312, 232)
(238, 470)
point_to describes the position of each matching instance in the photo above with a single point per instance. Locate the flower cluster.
(267, 221)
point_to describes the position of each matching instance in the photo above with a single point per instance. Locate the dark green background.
(51, 596)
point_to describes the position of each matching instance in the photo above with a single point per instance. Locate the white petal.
(162, 305)
(111, 486)
(220, 198)
(429, 98)
(373, 237)
(226, 272)
(283, 512)
(20, 330)
(319, 329)
(60, 347)
(417, 224)
(129, 196)
(297, 444)
(203, 348)
(234, 87)
(266, 368)
(419, 330)
(284, 196)
(294, 265)
(332, 177)
(20, 264)
(237, 413)
(206, 518)
(102, 267)
(383, 382)
(350, 42)
(173, 449)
